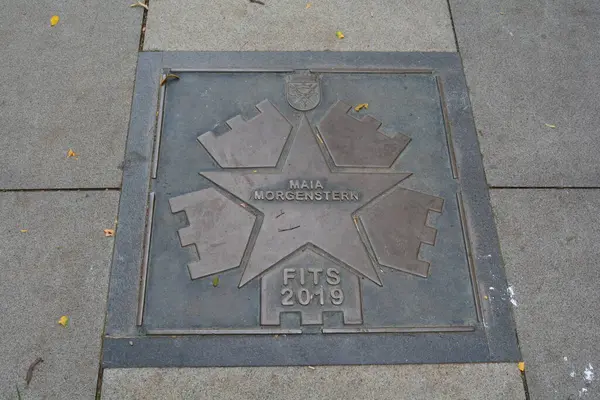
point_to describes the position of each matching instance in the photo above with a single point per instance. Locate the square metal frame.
(126, 344)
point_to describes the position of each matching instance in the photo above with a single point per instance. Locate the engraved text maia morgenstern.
(306, 190)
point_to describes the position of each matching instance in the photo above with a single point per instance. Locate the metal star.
(289, 225)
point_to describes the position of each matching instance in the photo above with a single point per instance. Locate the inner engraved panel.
(218, 228)
(396, 236)
(250, 144)
(356, 142)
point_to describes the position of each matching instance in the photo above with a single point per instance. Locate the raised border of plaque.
(128, 344)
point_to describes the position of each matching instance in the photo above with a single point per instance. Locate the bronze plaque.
(280, 211)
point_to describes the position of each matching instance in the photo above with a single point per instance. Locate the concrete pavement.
(54, 261)
(417, 382)
(66, 87)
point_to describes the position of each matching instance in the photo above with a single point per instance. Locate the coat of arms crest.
(303, 92)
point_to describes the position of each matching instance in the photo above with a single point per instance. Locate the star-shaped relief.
(286, 224)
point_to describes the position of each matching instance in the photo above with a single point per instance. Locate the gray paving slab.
(528, 65)
(66, 87)
(549, 241)
(286, 25)
(58, 267)
(449, 381)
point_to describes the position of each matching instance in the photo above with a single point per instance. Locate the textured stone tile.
(549, 241)
(415, 382)
(287, 25)
(67, 86)
(58, 267)
(529, 64)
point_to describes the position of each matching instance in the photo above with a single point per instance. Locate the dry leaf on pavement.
(139, 4)
(109, 232)
(64, 321)
(71, 153)
(215, 281)
(54, 20)
(167, 77)
(339, 35)
(361, 106)
(550, 126)
(30, 369)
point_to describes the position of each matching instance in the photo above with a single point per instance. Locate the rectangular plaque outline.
(327, 154)
(492, 340)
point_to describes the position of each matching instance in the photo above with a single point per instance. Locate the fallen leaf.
(109, 232)
(30, 369)
(167, 77)
(139, 4)
(485, 297)
(54, 20)
(215, 281)
(550, 126)
(64, 321)
(24, 230)
(361, 106)
(339, 35)
(71, 153)
(308, 5)
(521, 366)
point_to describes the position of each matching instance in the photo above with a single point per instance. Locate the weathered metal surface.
(295, 214)
(218, 228)
(397, 236)
(306, 203)
(356, 142)
(253, 143)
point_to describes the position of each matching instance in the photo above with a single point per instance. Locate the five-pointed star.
(328, 225)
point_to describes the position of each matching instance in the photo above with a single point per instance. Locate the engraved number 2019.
(303, 296)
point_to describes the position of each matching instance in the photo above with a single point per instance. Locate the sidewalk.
(533, 86)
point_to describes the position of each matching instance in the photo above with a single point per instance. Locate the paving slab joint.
(145, 19)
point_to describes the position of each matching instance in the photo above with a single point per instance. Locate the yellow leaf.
(109, 232)
(139, 4)
(308, 5)
(215, 281)
(167, 77)
(339, 35)
(361, 106)
(550, 126)
(24, 230)
(64, 321)
(54, 20)
(521, 366)
(71, 153)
